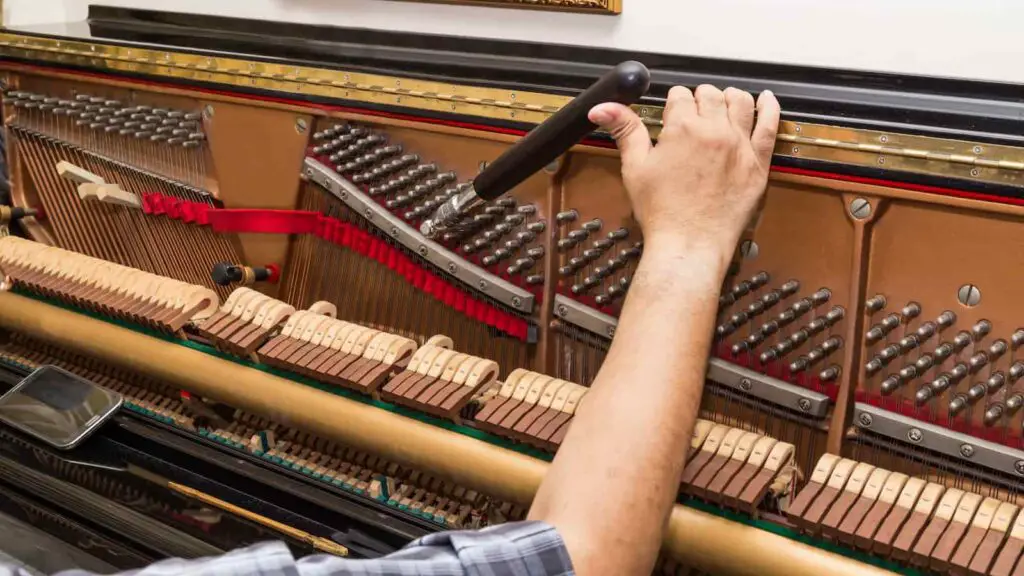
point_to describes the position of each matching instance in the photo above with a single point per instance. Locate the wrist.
(708, 252)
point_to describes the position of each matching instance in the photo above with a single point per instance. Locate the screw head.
(301, 125)
(208, 111)
(865, 420)
(422, 249)
(975, 172)
(749, 249)
(611, 331)
(309, 172)
(967, 450)
(368, 213)
(883, 138)
(343, 195)
(860, 208)
(977, 149)
(394, 231)
(914, 435)
(746, 384)
(804, 404)
(969, 295)
(452, 268)
(562, 310)
(482, 285)
(516, 302)
(1018, 466)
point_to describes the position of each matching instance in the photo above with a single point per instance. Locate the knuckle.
(709, 91)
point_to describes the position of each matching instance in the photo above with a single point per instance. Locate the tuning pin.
(741, 289)
(958, 404)
(799, 365)
(910, 311)
(770, 327)
(924, 362)
(820, 297)
(981, 329)
(723, 330)
(771, 298)
(880, 330)
(756, 307)
(789, 288)
(997, 349)
(738, 318)
(759, 280)
(962, 340)
(534, 279)
(908, 343)
(799, 337)
(996, 381)
(1017, 340)
(1016, 372)
(566, 217)
(830, 374)
(783, 347)
(726, 300)
(593, 225)
(768, 355)
(993, 413)
(578, 235)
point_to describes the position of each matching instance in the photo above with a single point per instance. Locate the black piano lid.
(980, 111)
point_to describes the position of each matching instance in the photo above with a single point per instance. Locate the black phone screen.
(56, 406)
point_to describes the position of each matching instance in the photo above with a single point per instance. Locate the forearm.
(651, 381)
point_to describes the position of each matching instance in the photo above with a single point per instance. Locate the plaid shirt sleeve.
(514, 549)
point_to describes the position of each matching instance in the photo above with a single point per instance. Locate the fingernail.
(600, 116)
(767, 93)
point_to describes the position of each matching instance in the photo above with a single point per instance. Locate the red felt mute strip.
(343, 234)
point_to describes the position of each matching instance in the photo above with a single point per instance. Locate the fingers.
(679, 106)
(631, 136)
(740, 105)
(763, 138)
(710, 101)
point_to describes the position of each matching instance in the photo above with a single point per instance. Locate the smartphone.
(58, 407)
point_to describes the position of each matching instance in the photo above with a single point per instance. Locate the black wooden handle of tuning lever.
(624, 84)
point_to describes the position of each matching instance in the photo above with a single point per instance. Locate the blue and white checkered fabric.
(514, 549)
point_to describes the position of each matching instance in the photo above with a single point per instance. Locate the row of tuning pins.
(505, 233)
(403, 183)
(501, 233)
(101, 114)
(980, 362)
(787, 330)
(594, 260)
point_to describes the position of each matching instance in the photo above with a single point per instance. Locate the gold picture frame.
(610, 7)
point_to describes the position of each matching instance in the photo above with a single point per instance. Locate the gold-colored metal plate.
(972, 161)
(590, 6)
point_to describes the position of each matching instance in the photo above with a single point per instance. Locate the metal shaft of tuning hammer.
(625, 84)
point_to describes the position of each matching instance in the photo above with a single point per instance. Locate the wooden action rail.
(335, 351)
(736, 468)
(533, 408)
(109, 289)
(244, 322)
(439, 380)
(911, 520)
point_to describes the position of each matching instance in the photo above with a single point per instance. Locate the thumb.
(631, 136)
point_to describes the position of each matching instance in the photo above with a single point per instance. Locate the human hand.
(697, 189)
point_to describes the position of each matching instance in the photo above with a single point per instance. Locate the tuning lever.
(625, 84)
(225, 274)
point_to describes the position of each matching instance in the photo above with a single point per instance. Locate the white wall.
(979, 39)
